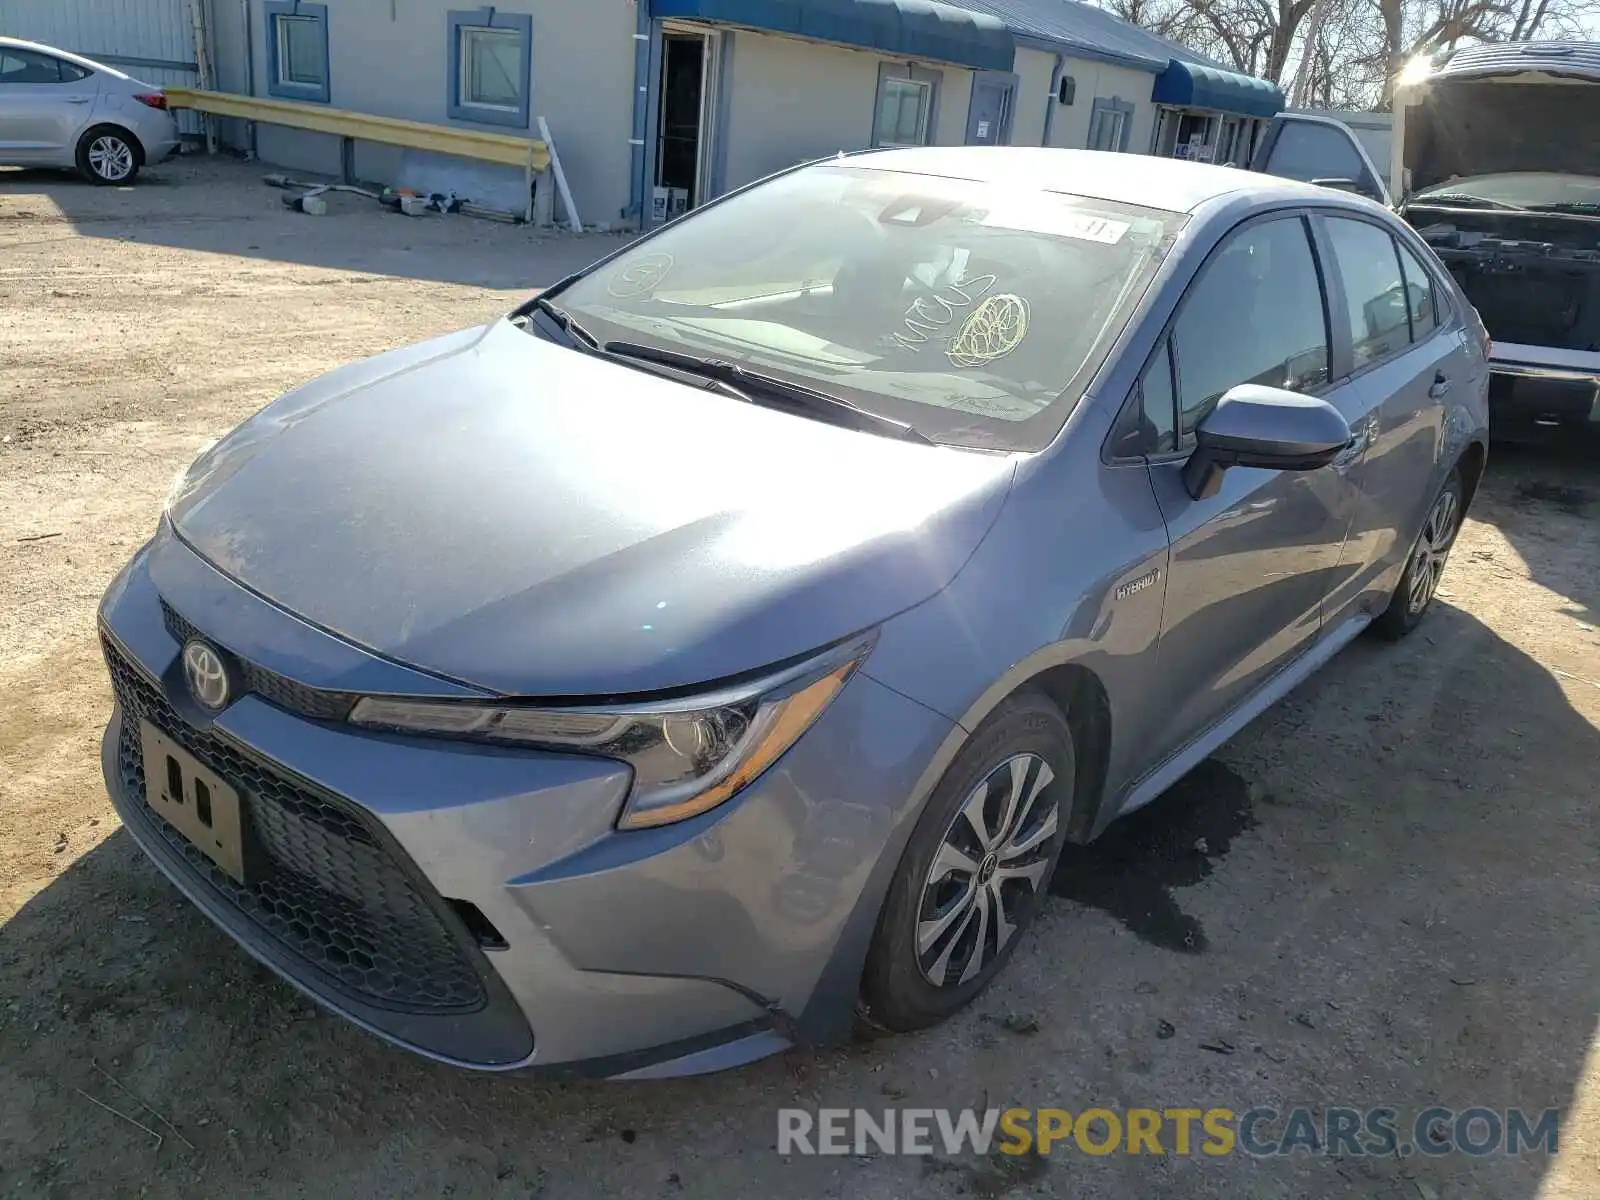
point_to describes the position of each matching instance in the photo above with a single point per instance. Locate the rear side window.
(1255, 315)
(26, 66)
(1374, 291)
(1421, 295)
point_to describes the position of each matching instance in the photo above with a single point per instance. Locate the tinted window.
(1148, 423)
(1424, 299)
(1307, 151)
(71, 72)
(973, 311)
(1374, 294)
(1254, 316)
(25, 66)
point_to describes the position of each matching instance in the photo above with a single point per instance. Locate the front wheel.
(976, 869)
(1425, 567)
(108, 156)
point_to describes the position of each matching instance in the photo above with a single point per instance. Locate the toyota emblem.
(206, 675)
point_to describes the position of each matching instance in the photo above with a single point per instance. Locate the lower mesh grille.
(321, 881)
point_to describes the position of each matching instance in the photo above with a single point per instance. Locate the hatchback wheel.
(1415, 592)
(108, 156)
(976, 869)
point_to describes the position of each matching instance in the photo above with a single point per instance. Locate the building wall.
(1034, 69)
(1103, 81)
(391, 57)
(794, 100)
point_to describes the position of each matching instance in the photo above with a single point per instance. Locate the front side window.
(1374, 292)
(1255, 315)
(490, 66)
(904, 115)
(1148, 422)
(976, 313)
(297, 48)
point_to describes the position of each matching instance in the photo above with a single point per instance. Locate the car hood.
(516, 515)
(1460, 126)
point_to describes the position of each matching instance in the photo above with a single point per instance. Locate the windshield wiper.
(1584, 208)
(753, 384)
(1464, 200)
(564, 321)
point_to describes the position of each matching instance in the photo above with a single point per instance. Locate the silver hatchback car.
(720, 649)
(63, 110)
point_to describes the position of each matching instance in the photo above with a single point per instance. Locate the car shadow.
(222, 206)
(1415, 875)
(1545, 500)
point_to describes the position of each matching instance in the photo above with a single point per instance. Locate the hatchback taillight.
(153, 99)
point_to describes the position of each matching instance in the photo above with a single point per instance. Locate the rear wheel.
(108, 155)
(976, 869)
(1429, 554)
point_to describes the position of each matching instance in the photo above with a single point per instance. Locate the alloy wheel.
(111, 158)
(1433, 550)
(988, 870)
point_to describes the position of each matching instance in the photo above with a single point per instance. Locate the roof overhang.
(1081, 50)
(918, 29)
(1191, 85)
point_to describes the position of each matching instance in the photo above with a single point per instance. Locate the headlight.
(688, 756)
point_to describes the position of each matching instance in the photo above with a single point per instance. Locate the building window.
(490, 61)
(297, 50)
(907, 105)
(1110, 122)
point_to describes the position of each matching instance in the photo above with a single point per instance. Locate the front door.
(989, 117)
(1250, 564)
(43, 103)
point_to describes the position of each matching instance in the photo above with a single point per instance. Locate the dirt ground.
(1384, 892)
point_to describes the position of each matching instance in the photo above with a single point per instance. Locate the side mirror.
(1257, 426)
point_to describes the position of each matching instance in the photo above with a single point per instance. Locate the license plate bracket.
(194, 800)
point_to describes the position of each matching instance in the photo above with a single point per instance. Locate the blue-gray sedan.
(719, 649)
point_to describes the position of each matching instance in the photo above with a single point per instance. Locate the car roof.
(1144, 179)
(88, 64)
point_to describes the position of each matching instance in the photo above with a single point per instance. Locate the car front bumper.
(677, 950)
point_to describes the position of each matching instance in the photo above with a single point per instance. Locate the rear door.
(1318, 150)
(44, 102)
(1251, 564)
(1408, 353)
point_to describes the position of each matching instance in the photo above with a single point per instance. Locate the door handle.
(77, 99)
(1441, 385)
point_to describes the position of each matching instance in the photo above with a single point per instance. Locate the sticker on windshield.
(1056, 221)
(993, 330)
(641, 276)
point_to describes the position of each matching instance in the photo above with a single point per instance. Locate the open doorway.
(684, 135)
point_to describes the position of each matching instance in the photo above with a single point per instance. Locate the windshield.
(1520, 189)
(974, 313)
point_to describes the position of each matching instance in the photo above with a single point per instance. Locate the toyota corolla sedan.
(718, 650)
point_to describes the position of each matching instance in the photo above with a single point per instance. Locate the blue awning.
(917, 29)
(1190, 85)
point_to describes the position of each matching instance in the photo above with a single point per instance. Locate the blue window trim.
(488, 18)
(1114, 104)
(287, 89)
(900, 70)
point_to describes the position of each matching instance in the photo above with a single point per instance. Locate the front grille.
(322, 881)
(287, 694)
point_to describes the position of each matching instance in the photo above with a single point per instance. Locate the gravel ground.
(1384, 892)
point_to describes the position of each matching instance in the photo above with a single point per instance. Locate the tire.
(109, 156)
(920, 971)
(1426, 562)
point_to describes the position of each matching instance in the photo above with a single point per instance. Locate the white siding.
(1102, 81)
(794, 100)
(1034, 69)
(392, 59)
(106, 30)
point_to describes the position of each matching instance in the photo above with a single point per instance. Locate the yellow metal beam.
(529, 153)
